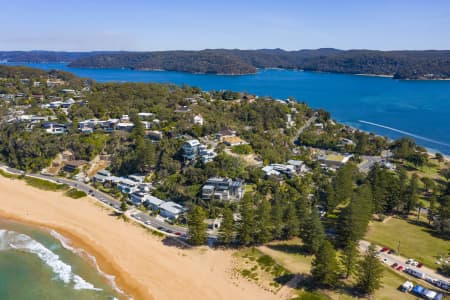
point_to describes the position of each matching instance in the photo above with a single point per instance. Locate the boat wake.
(11, 240)
(406, 133)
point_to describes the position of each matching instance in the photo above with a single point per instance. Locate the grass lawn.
(289, 254)
(260, 268)
(44, 184)
(415, 241)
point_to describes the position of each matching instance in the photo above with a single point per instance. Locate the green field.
(44, 184)
(74, 193)
(415, 241)
(289, 255)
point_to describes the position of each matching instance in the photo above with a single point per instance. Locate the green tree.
(123, 205)
(312, 233)
(325, 268)
(226, 231)
(264, 227)
(412, 193)
(369, 272)
(277, 220)
(197, 226)
(292, 222)
(349, 258)
(246, 229)
(354, 219)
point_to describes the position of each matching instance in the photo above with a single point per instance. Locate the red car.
(384, 249)
(400, 268)
(178, 233)
(419, 265)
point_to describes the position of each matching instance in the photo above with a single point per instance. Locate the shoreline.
(144, 266)
(107, 265)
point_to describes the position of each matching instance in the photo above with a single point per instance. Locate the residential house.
(171, 210)
(127, 186)
(73, 165)
(138, 198)
(223, 189)
(152, 202)
(102, 176)
(198, 120)
(233, 141)
(124, 126)
(191, 149)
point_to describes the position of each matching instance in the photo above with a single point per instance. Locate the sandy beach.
(144, 267)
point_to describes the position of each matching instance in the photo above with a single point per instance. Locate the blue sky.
(174, 24)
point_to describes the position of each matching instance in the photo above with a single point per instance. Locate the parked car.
(178, 233)
(400, 268)
(394, 265)
(419, 265)
(384, 249)
(391, 251)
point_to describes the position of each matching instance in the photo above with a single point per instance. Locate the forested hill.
(430, 64)
(46, 56)
(400, 64)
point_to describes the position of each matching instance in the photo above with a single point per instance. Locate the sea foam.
(17, 241)
(65, 242)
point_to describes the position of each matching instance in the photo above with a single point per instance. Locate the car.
(384, 249)
(147, 222)
(414, 263)
(169, 231)
(394, 265)
(391, 251)
(385, 260)
(160, 228)
(419, 265)
(400, 268)
(178, 233)
(91, 191)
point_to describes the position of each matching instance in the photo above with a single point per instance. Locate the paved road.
(301, 129)
(147, 220)
(390, 259)
(368, 162)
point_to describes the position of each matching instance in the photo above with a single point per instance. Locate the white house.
(198, 120)
(171, 210)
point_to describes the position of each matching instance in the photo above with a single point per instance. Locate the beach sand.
(144, 267)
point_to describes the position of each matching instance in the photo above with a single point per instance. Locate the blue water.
(419, 109)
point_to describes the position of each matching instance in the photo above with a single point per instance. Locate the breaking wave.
(11, 240)
(65, 242)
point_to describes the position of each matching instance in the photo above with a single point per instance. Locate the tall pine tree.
(263, 222)
(247, 224)
(369, 272)
(325, 267)
(226, 231)
(197, 226)
(312, 233)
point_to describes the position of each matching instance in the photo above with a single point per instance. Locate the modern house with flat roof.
(171, 210)
(152, 202)
(223, 189)
(73, 165)
(191, 149)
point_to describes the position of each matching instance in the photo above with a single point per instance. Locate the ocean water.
(393, 108)
(39, 264)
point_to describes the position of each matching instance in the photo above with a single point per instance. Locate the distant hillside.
(45, 56)
(399, 64)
